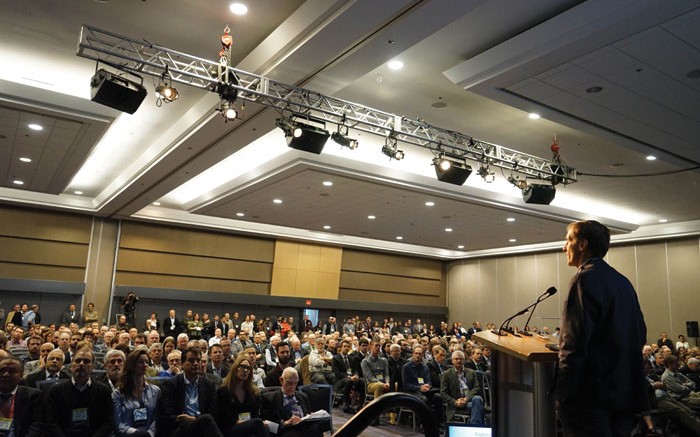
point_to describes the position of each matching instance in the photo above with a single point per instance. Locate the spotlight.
(227, 111)
(166, 93)
(303, 137)
(451, 169)
(539, 194)
(341, 137)
(391, 149)
(486, 174)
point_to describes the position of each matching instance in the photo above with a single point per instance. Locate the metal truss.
(142, 57)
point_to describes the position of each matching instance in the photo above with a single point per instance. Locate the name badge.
(140, 417)
(380, 377)
(5, 424)
(244, 416)
(80, 416)
(421, 381)
(349, 372)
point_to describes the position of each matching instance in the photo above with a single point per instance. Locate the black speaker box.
(692, 329)
(539, 194)
(455, 175)
(117, 92)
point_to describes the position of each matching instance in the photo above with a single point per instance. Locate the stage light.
(539, 194)
(227, 111)
(486, 174)
(341, 137)
(452, 170)
(391, 149)
(301, 136)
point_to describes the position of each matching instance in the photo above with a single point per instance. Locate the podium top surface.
(524, 348)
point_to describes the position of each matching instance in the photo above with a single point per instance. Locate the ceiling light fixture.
(156, 204)
(277, 201)
(326, 227)
(371, 217)
(461, 246)
(35, 127)
(396, 65)
(238, 8)
(451, 169)
(510, 219)
(240, 214)
(25, 159)
(327, 183)
(429, 203)
(391, 148)
(533, 116)
(78, 192)
(651, 158)
(341, 137)
(18, 182)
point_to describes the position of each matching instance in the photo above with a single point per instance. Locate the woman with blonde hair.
(239, 402)
(135, 400)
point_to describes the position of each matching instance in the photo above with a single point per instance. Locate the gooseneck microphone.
(505, 325)
(550, 292)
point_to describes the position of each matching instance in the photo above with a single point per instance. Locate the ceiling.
(613, 82)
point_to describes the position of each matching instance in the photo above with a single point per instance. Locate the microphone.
(504, 326)
(550, 292)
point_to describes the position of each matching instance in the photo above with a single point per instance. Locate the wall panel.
(168, 257)
(47, 245)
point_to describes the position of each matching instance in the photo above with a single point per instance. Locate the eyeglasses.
(246, 368)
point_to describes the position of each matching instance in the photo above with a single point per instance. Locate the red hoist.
(227, 80)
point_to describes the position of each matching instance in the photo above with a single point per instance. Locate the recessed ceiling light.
(156, 203)
(399, 237)
(238, 8)
(510, 219)
(277, 201)
(663, 220)
(448, 229)
(78, 192)
(461, 246)
(25, 159)
(693, 74)
(512, 240)
(651, 158)
(326, 227)
(36, 127)
(18, 182)
(396, 65)
(594, 89)
(327, 183)
(533, 116)
(371, 217)
(240, 214)
(429, 203)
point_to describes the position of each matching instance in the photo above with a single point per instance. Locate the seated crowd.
(192, 376)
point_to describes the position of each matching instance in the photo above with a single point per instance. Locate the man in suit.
(475, 362)
(53, 370)
(71, 315)
(113, 365)
(20, 406)
(79, 407)
(188, 401)
(345, 379)
(600, 383)
(437, 365)
(286, 407)
(459, 390)
(33, 366)
(216, 364)
(171, 325)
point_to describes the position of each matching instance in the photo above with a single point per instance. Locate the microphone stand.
(505, 326)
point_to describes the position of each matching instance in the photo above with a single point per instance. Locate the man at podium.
(600, 383)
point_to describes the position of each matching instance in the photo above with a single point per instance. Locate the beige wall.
(389, 278)
(46, 245)
(306, 270)
(666, 275)
(169, 257)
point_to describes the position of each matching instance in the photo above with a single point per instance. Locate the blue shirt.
(124, 408)
(410, 374)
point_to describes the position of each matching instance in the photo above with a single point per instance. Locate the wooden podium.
(522, 370)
